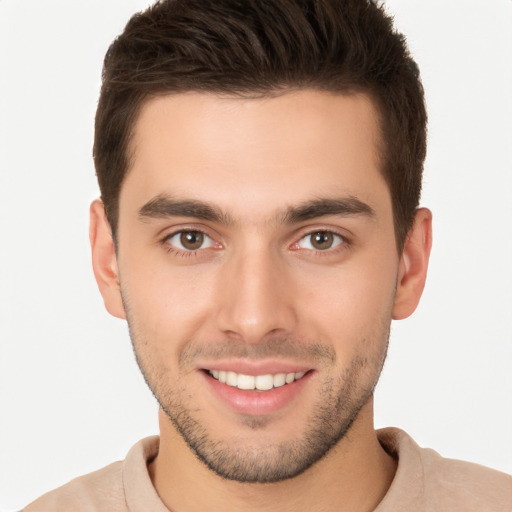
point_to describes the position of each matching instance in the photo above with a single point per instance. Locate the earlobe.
(413, 265)
(104, 259)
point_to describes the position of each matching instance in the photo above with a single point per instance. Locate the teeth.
(279, 380)
(259, 382)
(246, 382)
(231, 379)
(264, 382)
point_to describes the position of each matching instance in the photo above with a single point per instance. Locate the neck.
(353, 476)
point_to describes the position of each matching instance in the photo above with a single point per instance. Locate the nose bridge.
(253, 299)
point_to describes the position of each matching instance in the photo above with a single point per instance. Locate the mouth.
(264, 382)
(257, 389)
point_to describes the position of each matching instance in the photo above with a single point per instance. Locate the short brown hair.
(265, 47)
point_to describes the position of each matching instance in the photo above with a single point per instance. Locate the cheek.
(166, 306)
(352, 302)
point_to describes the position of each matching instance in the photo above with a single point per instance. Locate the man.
(260, 170)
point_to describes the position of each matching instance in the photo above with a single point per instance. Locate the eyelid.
(170, 231)
(207, 239)
(345, 239)
(337, 240)
(177, 230)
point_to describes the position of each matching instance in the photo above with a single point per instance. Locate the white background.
(71, 397)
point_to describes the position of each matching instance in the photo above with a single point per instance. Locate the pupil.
(192, 240)
(322, 240)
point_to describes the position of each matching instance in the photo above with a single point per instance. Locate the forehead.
(255, 155)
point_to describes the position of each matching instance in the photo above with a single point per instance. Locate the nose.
(255, 297)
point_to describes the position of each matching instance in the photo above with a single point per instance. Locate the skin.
(257, 292)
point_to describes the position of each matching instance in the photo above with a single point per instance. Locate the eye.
(320, 241)
(189, 240)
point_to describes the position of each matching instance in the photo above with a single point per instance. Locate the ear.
(104, 259)
(412, 270)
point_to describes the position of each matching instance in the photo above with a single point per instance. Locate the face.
(258, 267)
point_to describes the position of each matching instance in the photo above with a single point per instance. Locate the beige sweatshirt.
(424, 482)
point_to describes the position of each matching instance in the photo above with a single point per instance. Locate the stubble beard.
(329, 422)
(338, 404)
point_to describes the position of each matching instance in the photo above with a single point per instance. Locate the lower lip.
(257, 403)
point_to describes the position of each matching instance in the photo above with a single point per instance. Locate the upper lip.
(254, 368)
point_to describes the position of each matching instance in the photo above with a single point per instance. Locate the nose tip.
(255, 301)
(251, 333)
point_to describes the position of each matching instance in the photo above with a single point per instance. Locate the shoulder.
(100, 490)
(115, 488)
(456, 482)
(440, 484)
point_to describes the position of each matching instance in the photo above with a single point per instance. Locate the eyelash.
(345, 243)
(182, 253)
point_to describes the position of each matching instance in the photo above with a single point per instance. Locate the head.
(260, 164)
(263, 49)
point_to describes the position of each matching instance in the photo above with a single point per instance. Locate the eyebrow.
(349, 206)
(163, 206)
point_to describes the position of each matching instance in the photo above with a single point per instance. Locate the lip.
(255, 367)
(252, 402)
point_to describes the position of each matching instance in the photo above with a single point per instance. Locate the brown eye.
(190, 240)
(320, 241)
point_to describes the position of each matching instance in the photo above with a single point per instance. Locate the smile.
(255, 382)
